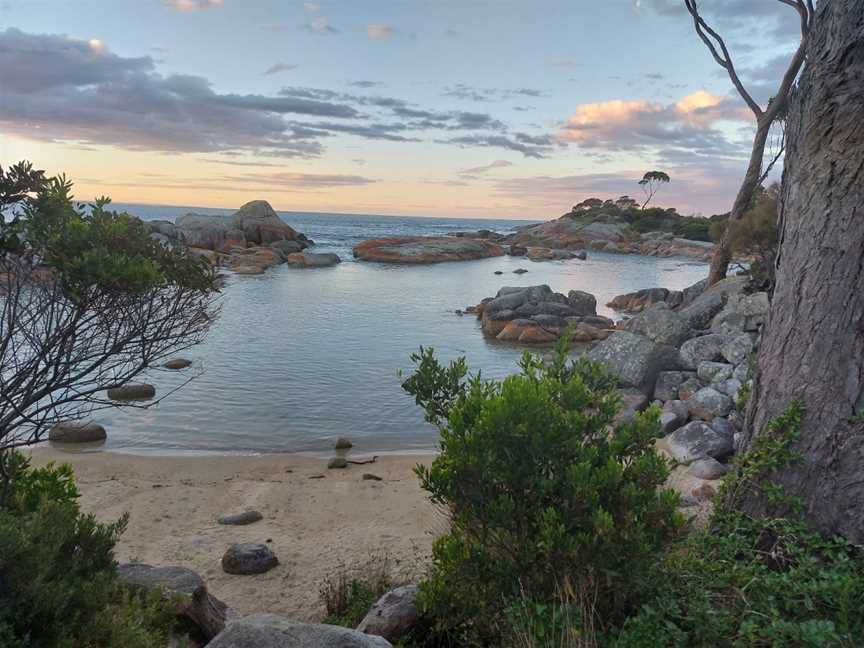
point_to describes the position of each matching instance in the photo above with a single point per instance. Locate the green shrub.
(58, 585)
(543, 491)
(763, 581)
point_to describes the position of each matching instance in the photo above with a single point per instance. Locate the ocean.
(302, 356)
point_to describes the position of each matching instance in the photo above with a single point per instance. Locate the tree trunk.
(722, 254)
(813, 344)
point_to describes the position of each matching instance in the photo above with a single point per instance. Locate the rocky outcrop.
(256, 223)
(537, 315)
(572, 232)
(77, 432)
(425, 249)
(660, 324)
(393, 615)
(271, 631)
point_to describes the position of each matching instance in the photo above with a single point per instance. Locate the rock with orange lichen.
(425, 249)
(537, 315)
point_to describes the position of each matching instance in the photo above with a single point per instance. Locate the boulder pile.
(692, 356)
(537, 315)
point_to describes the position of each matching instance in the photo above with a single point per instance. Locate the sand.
(315, 526)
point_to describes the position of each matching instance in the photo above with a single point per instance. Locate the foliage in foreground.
(89, 300)
(58, 586)
(348, 595)
(767, 581)
(543, 491)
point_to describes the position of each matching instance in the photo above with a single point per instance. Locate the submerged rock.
(310, 260)
(77, 432)
(132, 391)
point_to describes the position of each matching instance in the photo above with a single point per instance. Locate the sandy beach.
(316, 520)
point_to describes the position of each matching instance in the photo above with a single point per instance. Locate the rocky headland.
(248, 242)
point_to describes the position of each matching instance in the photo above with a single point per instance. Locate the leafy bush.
(765, 581)
(653, 219)
(58, 586)
(542, 490)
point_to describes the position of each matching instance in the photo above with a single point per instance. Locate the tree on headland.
(766, 117)
(87, 301)
(650, 184)
(812, 347)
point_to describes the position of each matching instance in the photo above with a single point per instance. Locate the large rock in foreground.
(425, 249)
(194, 602)
(271, 631)
(393, 615)
(247, 558)
(635, 359)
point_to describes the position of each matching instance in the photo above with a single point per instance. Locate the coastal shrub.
(543, 490)
(652, 219)
(58, 585)
(755, 581)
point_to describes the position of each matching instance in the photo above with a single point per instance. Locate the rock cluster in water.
(248, 242)
(538, 315)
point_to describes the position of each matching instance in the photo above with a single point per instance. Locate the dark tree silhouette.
(651, 183)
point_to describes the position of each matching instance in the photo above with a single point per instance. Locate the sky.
(477, 108)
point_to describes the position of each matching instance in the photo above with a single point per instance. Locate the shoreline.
(318, 521)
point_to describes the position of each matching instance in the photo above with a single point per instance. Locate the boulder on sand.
(425, 249)
(272, 631)
(248, 558)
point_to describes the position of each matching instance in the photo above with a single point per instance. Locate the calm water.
(300, 357)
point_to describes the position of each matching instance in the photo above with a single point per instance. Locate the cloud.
(639, 124)
(365, 84)
(285, 181)
(61, 89)
(741, 21)
(276, 68)
(497, 164)
(529, 146)
(315, 22)
(469, 93)
(193, 5)
(379, 31)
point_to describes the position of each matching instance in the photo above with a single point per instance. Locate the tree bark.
(722, 254)
(813, 344)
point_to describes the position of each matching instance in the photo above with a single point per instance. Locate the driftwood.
(360, 463)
